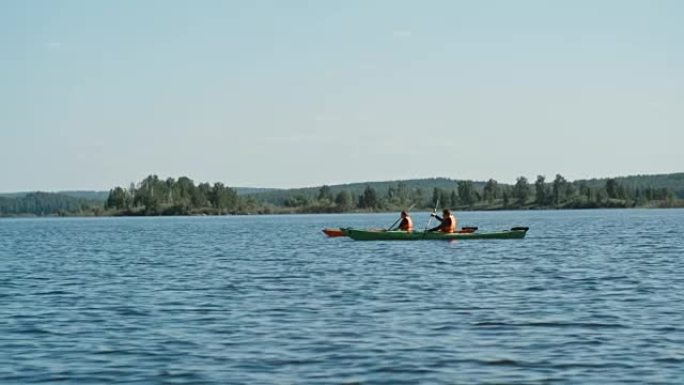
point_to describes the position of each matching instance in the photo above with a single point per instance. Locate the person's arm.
(440, 222)
(436, 228)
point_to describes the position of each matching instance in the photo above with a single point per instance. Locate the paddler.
(447, 222)
(406, 223)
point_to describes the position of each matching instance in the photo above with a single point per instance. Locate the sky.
(97, 94)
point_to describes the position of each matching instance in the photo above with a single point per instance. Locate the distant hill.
(99, 196)
(13, 195)
(252, 190)
(42, 203)
(426, 185)
(674, 182)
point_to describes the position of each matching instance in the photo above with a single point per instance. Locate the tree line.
(181, 196)
(42, 203)
(556, 194)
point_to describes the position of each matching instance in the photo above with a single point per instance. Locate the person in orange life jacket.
(448, 223)
(406, 223)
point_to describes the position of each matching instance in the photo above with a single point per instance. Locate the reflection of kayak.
(374, 235)
(333, 232)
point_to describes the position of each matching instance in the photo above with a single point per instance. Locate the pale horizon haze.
(97, 94)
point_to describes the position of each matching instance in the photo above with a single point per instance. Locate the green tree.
(585, 191)
(131, 194)
(392, 193)
(540, 190)
(201, 197)
(612, 188)
(419, 196)
(223, 198)
(150, 194)
(297, 200)
(466, 192)
(521, 191)
(185, 190)
(445, 198)
(118, 199)
(170, 184)
(344, 200)
(570, 191)
(436, 195)
(369, 198)
(403, 193)
(491, 190)
(325, 194)
(558, 189)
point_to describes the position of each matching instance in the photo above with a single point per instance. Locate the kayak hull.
(374, 235)
(334, 232)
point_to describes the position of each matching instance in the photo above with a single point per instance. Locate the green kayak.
(379, 235)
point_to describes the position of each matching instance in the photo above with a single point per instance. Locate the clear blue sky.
(95, 94)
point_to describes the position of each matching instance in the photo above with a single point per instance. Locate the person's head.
(446, 212)
(404, 214)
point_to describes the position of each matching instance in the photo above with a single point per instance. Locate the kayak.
(333, 232)
(375, 235)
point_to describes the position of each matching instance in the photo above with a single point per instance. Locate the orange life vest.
(406, 224)
(448, 224)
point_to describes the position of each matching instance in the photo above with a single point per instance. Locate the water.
(590, 297)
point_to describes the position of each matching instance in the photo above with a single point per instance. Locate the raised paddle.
(434, 211)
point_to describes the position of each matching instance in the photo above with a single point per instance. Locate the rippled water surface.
(590, 297)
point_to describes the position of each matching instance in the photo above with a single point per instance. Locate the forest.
(182, 196)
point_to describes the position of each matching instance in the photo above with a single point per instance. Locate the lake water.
(588, 297)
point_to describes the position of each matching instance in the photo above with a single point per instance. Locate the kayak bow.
(334, 232)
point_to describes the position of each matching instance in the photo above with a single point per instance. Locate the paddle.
(434, 211)
(397, 221)
(393, 224)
